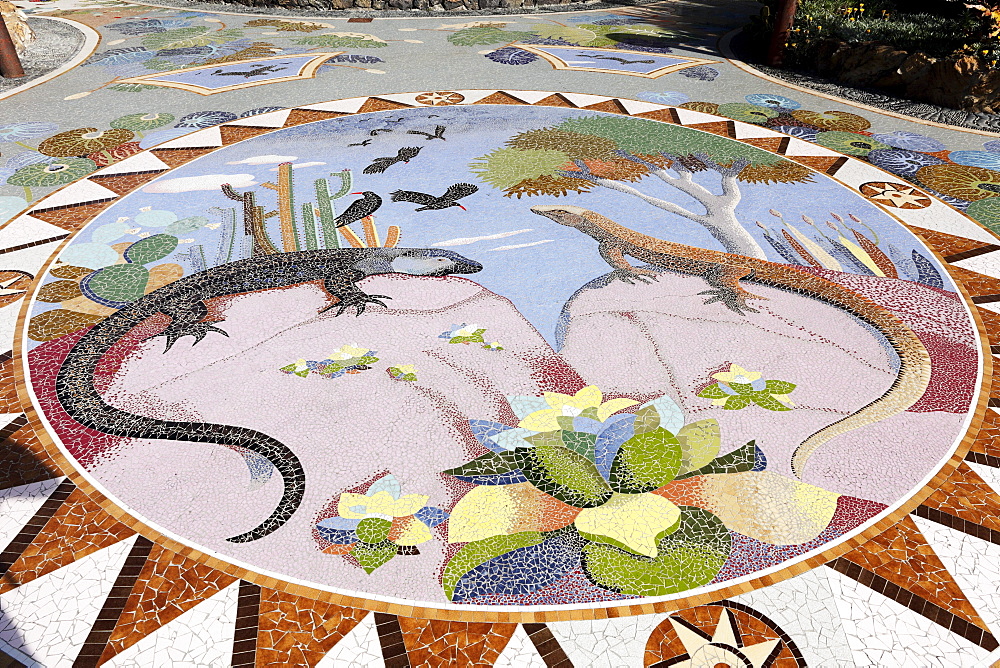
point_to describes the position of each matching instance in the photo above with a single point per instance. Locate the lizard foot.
(199, 330)
(734, 300)
(635, 274)
(359, 301)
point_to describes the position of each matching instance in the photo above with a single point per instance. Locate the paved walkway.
(535, 340)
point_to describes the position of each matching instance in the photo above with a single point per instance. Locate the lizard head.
(432, 262)
(564, 214)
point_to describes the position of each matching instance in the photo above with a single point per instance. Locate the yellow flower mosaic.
(588, 402)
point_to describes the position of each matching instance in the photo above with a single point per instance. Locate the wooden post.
(783, 20)
(10, 64)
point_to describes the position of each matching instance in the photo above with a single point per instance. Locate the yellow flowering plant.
(738, 388)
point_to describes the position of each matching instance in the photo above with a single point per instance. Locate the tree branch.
(637, 159)
(629, 190)
(684, 176)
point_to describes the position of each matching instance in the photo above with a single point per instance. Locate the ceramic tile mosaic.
(972, 562)
(19, 504)
(804, 607)
(50, 618)
(360, 646)
(167, 586)
(202, 636)
(520, 651)
(653, 363)
(909, 640)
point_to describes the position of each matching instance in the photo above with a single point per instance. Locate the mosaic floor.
(539, 340)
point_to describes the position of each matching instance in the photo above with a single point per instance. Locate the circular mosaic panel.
(551, 353)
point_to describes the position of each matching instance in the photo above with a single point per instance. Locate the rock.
(835, 361)
(17, 24)
(984, 94)
(959, 83)
(944, 81)
(635, 340)
(880, 64)
(343, 430)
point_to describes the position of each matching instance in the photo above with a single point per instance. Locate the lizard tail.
(78, 397)
(910, 384)
(914, 361)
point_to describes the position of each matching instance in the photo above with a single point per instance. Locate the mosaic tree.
(596, 151)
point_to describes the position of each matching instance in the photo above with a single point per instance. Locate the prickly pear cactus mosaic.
(576, 357)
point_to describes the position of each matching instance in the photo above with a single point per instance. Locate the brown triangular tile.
(125, 183)
(378, 104)
(946, 244)
(829, 164)
(78, 528)
(501, 97)
(770, 144)
(433, 642)
(902, 555)
(71, 218)
(611, 106)
(297, 631)
(9, 401)
(175, 157)
(555, 100)
(301, 116)
(722, 128)
(988, 439)
(168, 586)
(991, 322)
(234, 133)
(665, 115)
(23, 458)
(975, 283)
(968, 497)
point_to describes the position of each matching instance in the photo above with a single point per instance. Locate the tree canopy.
(543, 161)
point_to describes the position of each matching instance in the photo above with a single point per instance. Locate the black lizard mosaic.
(184, 302)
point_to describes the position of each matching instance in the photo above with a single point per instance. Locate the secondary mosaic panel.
(503, 355)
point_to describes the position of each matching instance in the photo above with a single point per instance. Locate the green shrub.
(940, 28)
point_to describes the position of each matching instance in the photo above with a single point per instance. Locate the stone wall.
(426, 5)
(957, 83)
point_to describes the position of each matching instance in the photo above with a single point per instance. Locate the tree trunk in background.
(783, 20)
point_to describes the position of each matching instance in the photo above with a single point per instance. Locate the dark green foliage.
(940, 28)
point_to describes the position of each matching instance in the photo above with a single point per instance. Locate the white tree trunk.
(720, 210)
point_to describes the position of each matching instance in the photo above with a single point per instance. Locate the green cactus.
(150, 249)
(325, 200)
(185, 225)
(119, 284)
(232, 243)
(309, 224)
(296, 233)
(116, 285)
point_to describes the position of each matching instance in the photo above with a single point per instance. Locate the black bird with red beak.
(359, 208)
(430, 202)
